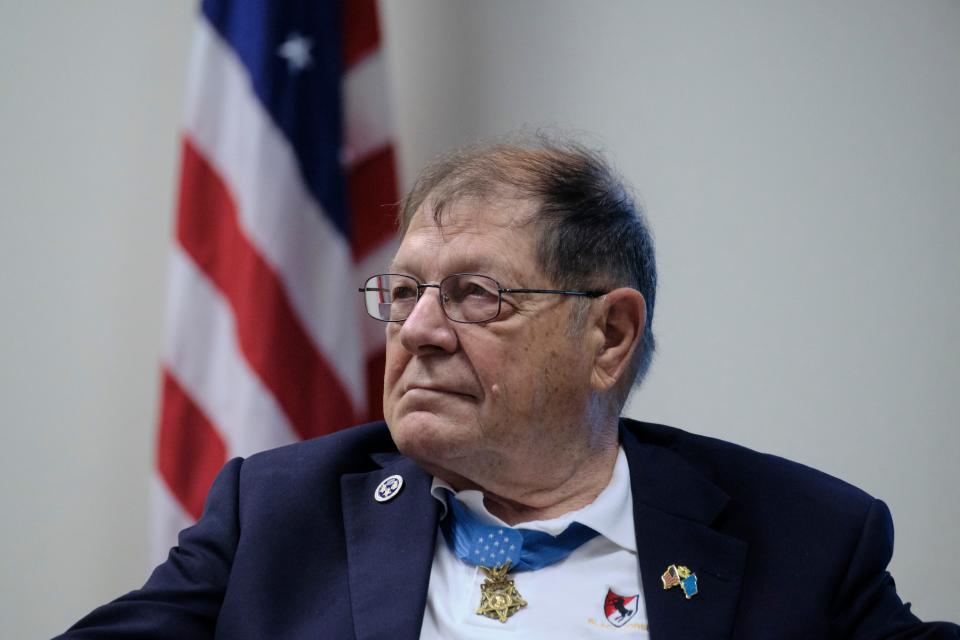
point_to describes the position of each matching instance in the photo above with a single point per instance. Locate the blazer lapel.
(674, 506)
(389, 550)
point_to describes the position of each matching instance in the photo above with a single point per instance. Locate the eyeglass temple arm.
(588, 294)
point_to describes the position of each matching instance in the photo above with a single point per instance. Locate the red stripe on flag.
(375, 366)
(190, 451)
(361, 33)
(372, 196)
(271, 336)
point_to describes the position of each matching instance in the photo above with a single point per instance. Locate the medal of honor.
(499, 597)
(496, 550)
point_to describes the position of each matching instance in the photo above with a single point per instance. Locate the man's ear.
(621, 321)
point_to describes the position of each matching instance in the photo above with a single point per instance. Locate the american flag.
(287, 200)
(670, 578)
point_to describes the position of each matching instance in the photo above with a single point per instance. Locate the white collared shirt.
(564, 600)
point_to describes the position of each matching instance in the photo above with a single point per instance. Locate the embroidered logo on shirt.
(619, 609)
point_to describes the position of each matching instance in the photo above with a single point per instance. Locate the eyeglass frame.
(594, 293)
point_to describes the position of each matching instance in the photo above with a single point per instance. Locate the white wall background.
(801, 166)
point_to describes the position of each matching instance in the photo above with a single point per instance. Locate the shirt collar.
(610, 514)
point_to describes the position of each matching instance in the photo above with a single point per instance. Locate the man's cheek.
(393, 369)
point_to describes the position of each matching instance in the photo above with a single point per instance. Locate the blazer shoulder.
(319, 461)
(749, 474)
(345, 448)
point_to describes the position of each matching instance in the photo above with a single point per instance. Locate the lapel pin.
(680, 576)
(388, 489)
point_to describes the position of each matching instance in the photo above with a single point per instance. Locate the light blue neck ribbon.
(491, 546)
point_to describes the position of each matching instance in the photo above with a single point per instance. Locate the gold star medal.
(499, 597)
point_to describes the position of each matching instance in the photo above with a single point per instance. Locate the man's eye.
(402, 293)
(475, 290)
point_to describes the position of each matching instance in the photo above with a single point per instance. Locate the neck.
(550, 493)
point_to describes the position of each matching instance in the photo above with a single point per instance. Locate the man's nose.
(427, 329)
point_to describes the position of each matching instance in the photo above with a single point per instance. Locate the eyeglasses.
(464, 297)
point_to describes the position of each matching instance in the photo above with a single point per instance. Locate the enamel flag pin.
(388, 489)
(679, 575)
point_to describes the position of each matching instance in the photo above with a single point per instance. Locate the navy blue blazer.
(292, 545)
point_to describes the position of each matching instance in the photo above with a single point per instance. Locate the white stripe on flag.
(202, 353)
(229, 127)
(366, 109)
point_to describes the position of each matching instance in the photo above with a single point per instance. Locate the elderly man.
(504, 496)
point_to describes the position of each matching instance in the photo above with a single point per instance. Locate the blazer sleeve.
(867, 606)
(182, 597)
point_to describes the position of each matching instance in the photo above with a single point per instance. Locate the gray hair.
(592, 233)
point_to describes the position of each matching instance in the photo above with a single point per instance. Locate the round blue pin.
(388, 489)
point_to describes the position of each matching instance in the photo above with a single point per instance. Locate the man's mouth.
(430, 388)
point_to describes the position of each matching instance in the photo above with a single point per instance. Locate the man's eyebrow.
(472, 264)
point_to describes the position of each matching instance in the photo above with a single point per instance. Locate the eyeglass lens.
(465, 297)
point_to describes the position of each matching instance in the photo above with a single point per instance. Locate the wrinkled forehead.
(470, 233)
(495, 205)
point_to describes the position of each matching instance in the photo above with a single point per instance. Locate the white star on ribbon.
(296, 51)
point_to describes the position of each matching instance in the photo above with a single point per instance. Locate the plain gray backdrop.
(800, 163)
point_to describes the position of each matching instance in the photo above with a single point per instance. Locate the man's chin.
(428, 438)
